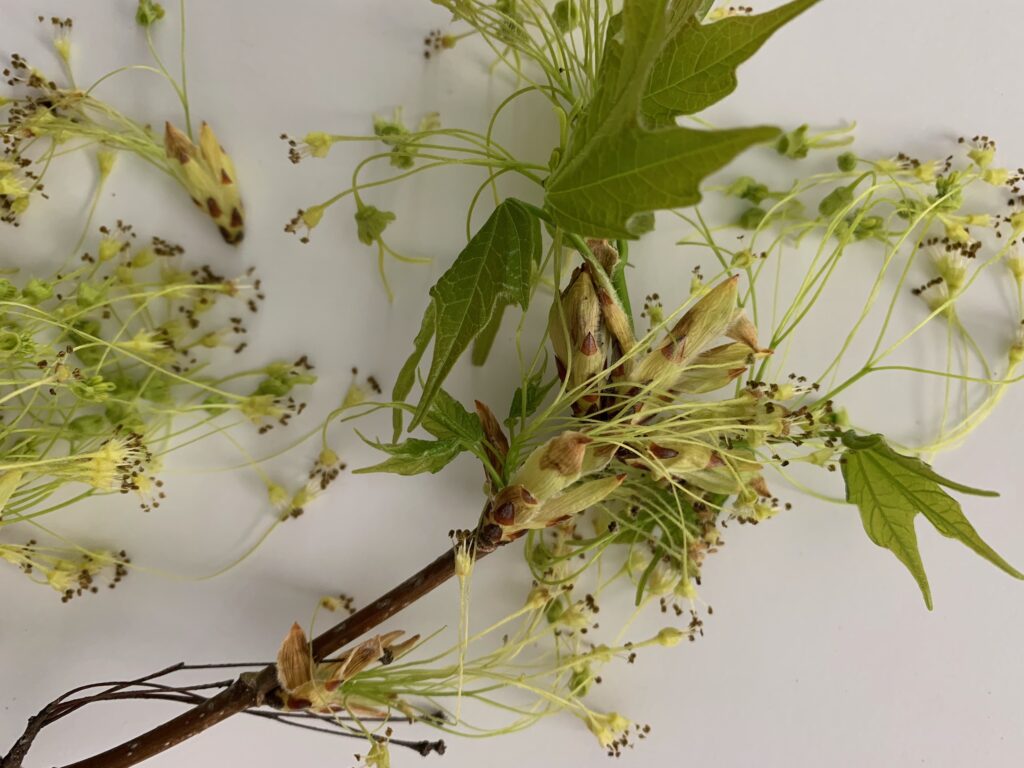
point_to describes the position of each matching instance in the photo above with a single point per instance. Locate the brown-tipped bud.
(208, 175)
(511, 503)
(496, 445)
(586, 337)
(571, 502)
(744, 331)
(616, 321)
(553, 466)
(605, 254)
(677, 459)
(714, 368)
(294, 662)
(703, 323)
(358, 659)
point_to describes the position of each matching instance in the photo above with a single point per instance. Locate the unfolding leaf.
(697, 66)
(414, 456)
(407, 376)
(447, 418)
(493, 270)
(615, 166)
(890, 489)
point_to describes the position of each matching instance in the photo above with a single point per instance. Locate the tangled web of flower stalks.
(43, 120)
(106, 367)
(624, 465)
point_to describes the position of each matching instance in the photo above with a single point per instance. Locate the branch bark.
(252, 689)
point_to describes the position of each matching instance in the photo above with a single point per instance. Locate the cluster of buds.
(319, 687)
(611, 377)
(208, 175)
(589, 327)
(593, 342)
(546, 491)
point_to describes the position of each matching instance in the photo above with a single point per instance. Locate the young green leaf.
(485, 339)
(493, 270)
(697, 66)
(448, 419)
(407, 375)
(890, 489)
(614, 166)
(414, 456)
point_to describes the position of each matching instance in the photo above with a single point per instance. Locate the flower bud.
(571, 502)
(669, 637)
(708, 319)
(716, 367)
(511, 505)
(496, 445)
(846, 162)
(586, 354)
(1017, 348)
(208, 174)
(553, 466)
(616, 320)
(294, 662)
(566, 15)
(678, 459)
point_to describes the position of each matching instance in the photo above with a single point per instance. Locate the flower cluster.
(97, 362)
(45, 118)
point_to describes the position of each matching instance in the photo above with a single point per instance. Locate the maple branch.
(251, 689)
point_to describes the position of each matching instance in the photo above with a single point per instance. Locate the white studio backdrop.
(819, 653)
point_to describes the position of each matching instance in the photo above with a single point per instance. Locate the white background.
(820, 651)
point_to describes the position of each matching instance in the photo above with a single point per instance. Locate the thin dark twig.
(250, 689)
